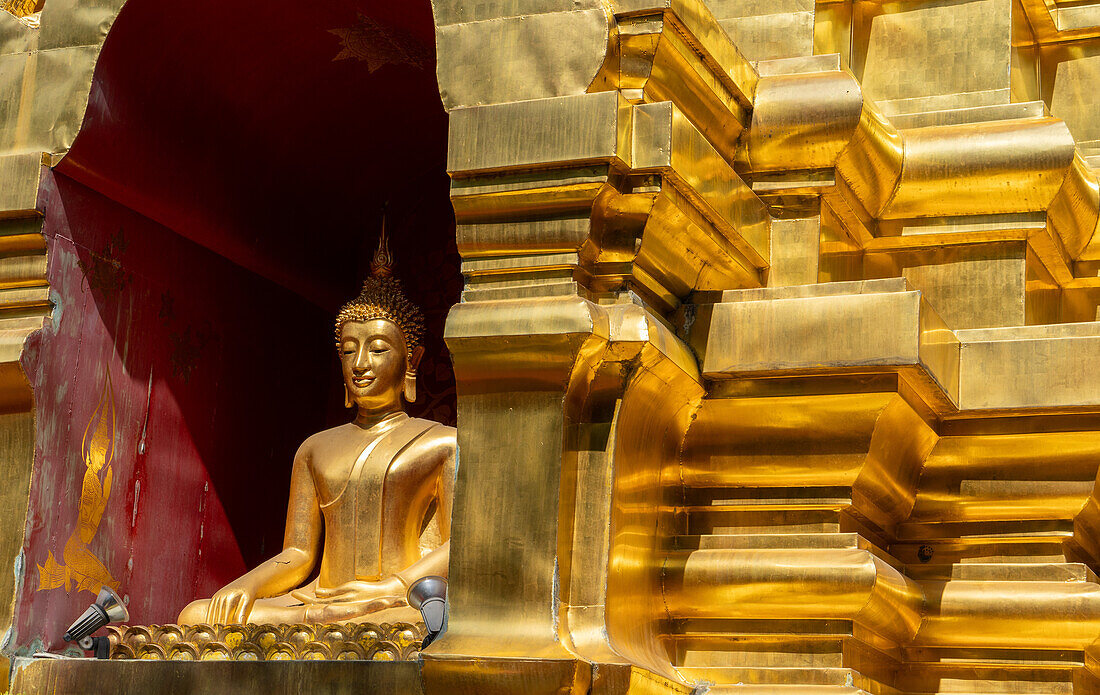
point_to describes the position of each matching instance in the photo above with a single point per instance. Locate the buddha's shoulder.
(332, 435)
(436, 432)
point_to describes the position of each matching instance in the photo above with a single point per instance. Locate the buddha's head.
(378, 337)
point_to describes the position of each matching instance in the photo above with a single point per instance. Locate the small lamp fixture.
(429, 596)
(108, 608)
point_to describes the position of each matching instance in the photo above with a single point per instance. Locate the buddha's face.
(373, 359)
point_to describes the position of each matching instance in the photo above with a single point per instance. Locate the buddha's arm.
(288, 569)
(437, 560)
(434, 563)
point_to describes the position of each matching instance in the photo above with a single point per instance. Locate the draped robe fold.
(361, 542)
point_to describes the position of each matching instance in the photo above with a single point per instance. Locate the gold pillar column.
(571, 418)
(523, 186)
(575, 206)
(795, 250)
(516, 362)
(24, 307)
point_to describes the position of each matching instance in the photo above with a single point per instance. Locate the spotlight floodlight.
(429, 596)
(108, 608)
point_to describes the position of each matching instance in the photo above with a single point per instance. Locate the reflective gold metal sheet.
(20, 197)
(505, 603)
(794, 584)
(180, 678)
(495, 51)
(694, 19)
(794, 251)
(999, 478)
(924, 57)
(871, 164)
(888, 327)
(1008, 166)
(1032, 365)
(766, 29)
(665, 141)
(872, 443)
(540, 132)
(1011, 614)
(657, 64)
(657, 407)
(46, 73)
(803, 121)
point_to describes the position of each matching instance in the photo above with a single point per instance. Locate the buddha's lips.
(363, 381)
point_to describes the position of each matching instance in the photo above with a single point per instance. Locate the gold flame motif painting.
(81, 566)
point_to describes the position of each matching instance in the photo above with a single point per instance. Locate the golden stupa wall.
(775, 350)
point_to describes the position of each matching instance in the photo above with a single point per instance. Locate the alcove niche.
(220, 202)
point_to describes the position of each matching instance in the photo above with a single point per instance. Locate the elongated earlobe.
(410, 372)
(347, 397)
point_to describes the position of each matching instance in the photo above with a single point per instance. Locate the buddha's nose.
(362, 363)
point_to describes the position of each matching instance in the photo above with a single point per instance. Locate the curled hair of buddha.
(383, 297)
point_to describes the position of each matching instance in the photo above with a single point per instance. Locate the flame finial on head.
(383, 297)
(381, 266)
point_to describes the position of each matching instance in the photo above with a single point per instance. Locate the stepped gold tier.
(756, 352)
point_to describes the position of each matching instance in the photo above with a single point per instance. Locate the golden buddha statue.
(370, 488)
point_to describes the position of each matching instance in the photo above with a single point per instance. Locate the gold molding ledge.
(872, 447)
(797, 584)
(890, 328)
(607, 210)
(71, 676)
(817, 119)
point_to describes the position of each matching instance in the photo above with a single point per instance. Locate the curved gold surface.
(793, 584)
(1073, 210)
(802, 121)
(1011, 614)
(871, 164)
(1008, 477)
(970, 169)
(658, 403)
(873, 444)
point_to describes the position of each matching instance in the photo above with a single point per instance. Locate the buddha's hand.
(230, 605)
(357, 591)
